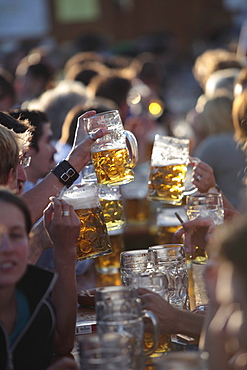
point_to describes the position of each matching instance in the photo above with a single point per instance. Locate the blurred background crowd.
(168, 67)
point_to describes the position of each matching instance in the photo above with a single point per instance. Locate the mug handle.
(193, 161)
(133, 147)
(150, 315)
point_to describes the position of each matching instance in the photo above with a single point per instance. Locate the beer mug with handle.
(169, 161)
(170, 259)
(93, 240)
(118, 310)
(113, 163)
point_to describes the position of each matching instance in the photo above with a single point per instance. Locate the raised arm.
(38, 197)
(63, 225)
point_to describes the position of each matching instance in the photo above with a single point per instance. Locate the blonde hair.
(215, 118)
(11, 144)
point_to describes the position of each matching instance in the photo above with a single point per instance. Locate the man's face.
(42, 161)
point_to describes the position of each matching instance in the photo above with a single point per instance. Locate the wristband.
(65, 173)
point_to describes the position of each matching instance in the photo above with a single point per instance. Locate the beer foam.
(81, 199)
(109, 196)
(116, 231)
(105, 146)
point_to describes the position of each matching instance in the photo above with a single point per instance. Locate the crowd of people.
(40, 109)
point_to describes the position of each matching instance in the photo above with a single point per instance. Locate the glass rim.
(171, 139)
(165, 246)
(113, 111)
(204, 195)
(134, 252)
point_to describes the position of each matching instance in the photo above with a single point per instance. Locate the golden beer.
(136, 210)
(93, 239)
(199, 256)
(166, 183)
(110, 264)
(113, 213)
(113, 167)
(165, 234)
(163, 346)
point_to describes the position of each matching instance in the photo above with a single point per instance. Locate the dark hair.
(8, 197)
(36, 119)
(114, 88)
(11, 122)
(40, 70)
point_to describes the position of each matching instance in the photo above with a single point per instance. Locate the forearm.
(37, 198)
(65, 300)
(189, 323)
(39, 241)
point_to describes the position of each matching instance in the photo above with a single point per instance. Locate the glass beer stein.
(169, 160)
(112, 161)
(132, 263)
(167, 223)
(110, 263)
(204, 205)
(112, 206)
(170, 259)
(118, 310)
(93, 240)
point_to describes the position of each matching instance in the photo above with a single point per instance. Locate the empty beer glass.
(156, 282)
(132, 263)
(112, 161)
(119, 310)
(93, 239)
(184, 360)
(170, 259)
(169, 161)
(108, 351)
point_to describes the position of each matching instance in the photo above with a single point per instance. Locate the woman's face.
(14, 247)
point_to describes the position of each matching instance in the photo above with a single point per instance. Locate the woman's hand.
(62, 225)
(203, 176)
